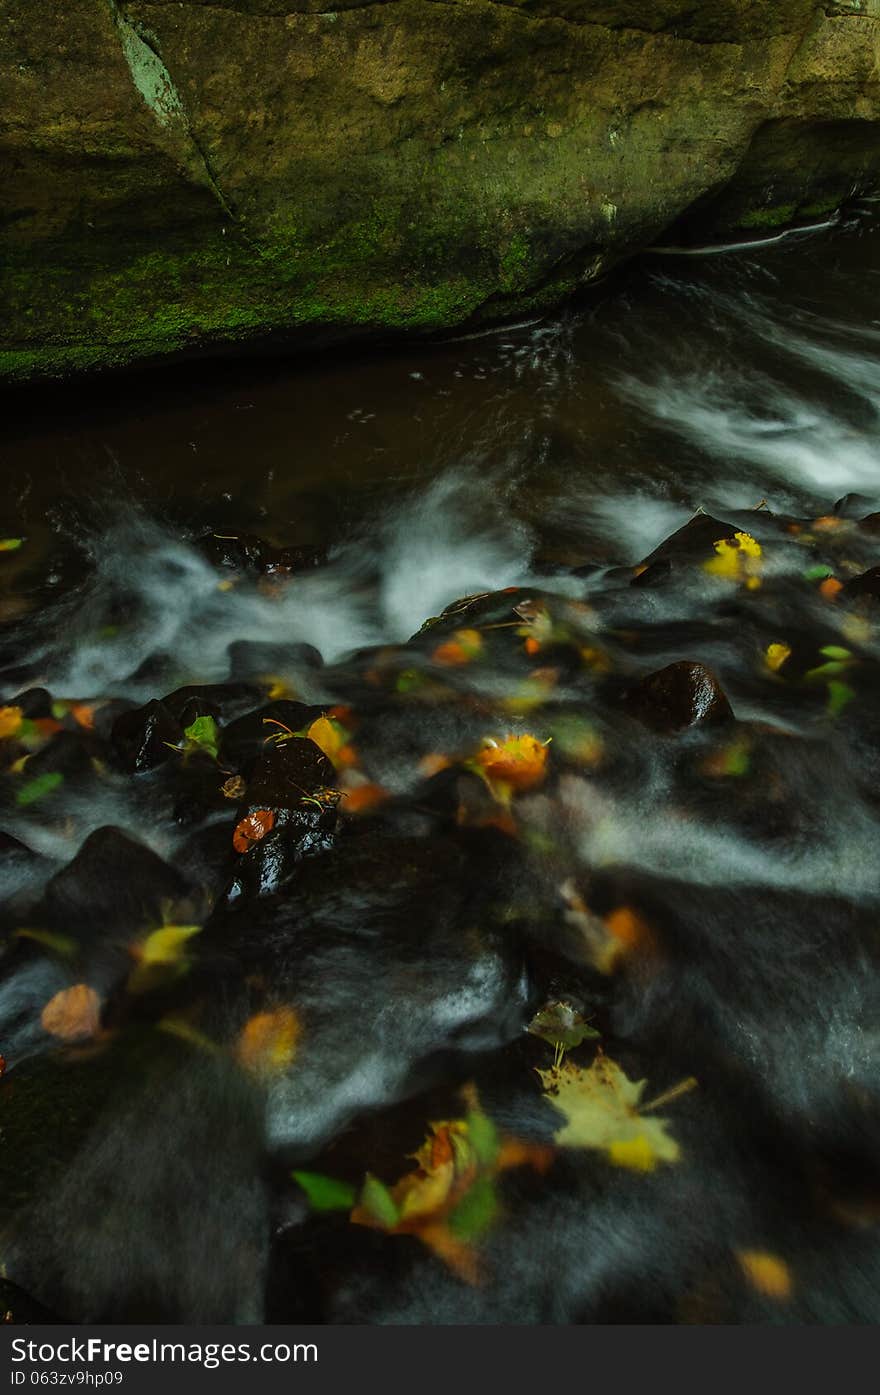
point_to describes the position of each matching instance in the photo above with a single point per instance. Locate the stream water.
(243, 981)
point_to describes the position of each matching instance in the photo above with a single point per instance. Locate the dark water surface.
(695, 875)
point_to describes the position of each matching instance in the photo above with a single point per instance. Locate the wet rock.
(237, 552)
(287, 771)
(386, 950)
(34, 703)
(143, 737)
(225, 702)
(114, 884)
(682, 695)
(68, 753)
(693, 542)
(97, 1145)
(851, 505)
(244, 740)
(18, 1308)
(250, 658)
(271, 862)
(865, 587)
(292, 561)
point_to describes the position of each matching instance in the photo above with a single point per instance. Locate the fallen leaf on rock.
(333, 738)
(202, 734)
(737, 558)
(268, 1041)
(73, 1014)
(252, 828)
(233, 788)
(602, 1111)
(767, 1273)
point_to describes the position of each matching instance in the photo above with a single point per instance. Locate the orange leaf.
(83, 714)
(518, 762)
(830, 588)
(73, 1013)
(627, 927)
(268, 1041)
(364, 797)
(10, 720)
(252, 828)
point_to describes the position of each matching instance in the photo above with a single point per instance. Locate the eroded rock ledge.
(179, 175)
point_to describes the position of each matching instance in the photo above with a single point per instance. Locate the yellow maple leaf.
(775, 656)
(737, 559)
(517, 763)
(602, 1110)
(767, 1273)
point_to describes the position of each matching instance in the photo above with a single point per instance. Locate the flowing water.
(705, 895)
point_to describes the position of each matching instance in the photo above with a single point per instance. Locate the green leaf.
(483, 1137)
(39, 787)
(10, 544)
(834, 651)
(476, 1211)
(378, 1202)
(818, 573)
(325, 1193)
(203, 732)
(60, 944)
(839, 695)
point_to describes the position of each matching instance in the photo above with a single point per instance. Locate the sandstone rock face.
(182, 173)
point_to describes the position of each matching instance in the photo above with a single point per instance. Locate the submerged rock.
(113, 885)
(683, 694)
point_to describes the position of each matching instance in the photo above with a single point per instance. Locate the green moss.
(775, 216)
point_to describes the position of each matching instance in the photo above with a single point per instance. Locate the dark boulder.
(682, 695)
(288, 771)
(114, 885)
(865, 587)
(145, 736)
(248, 737)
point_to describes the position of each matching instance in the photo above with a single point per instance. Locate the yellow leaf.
(268, 1041)
(331, 736)
(601, 1109)
(165, 946)
(736, 559)
(72, 1014)
(767, 1273)
(775, 656)
(10, 720)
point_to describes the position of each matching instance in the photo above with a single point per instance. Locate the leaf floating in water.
(233, 788)
(839, 697)
(268, 1042)
(516, 764)
(11, 719)
(325, 1193)
(38, 788)
(561, 1026)
(461, 649)
(775, 656)
(449, 1200)
(766, 1273)
(73, 1014)
(252, 828)
(601, 1108)
(10, 544)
